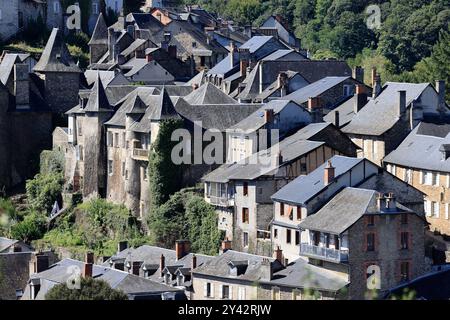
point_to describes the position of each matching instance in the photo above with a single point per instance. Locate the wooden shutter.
(212, 290)
(221, 291)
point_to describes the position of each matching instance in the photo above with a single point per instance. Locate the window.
(55, 7)
(303, 167)
(370, 220)
(80, 128)
(435, 179)
(110, 167)
(245, 189)
(348, 89)
(434, 209)
(241, 293)
(116, 140)
(109, 139)
(123, 168)
(327, 240)
(194, 44)
(404, 218)
(281, 209)
(370, 242)
(299, 213)
(245, 239)
(208, 292)
(447, 205)
(429, 178)
(81, 153)
(288, 235)
(316, 238)
(404, 271)
(245, 218)
(145, 173)
(275, 233)
(336, 242)
(297, 238)
(124, 140)
(408, 176)
(95, 8)
(226, 292)
(296, 294)
(404, 240)
(290, 214)
(276, 295)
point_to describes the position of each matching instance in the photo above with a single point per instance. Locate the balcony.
(221, 201)
(140, 154)
(323, 253)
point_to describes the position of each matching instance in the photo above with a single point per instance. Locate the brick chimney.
(226, 245)
(313, 103)
(329, 173)
(162, 264)
(136, 267)
(361, 98)
(358, 74)
(194, 261)
(401, 103)
(88, 265)
(244, 58)
(315, 108)
(182, 248)
(22, 86)
(268, 115)
(278, 255)
(149, 57)
(381, 202)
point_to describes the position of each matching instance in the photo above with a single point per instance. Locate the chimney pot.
(278, 255)
(358, 74)
(329, 173)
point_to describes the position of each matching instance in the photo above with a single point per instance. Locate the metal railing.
(140, 154)
(221, 201)
(323, 252)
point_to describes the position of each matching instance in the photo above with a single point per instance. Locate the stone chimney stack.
(358, 74)
(381, 202)
(401, 103)
(361, 97)
(315, 108)
(283, 83)
(38, 263)
(182, 248)
(376, 86)
(232, 52)
(88, 265)
(22, 86)
(194, 262)
(244, 59)
(373, 76)
(336, 119)
(329, 173)
(267, 271)
(391, 204)
(268, 115)
(440, 88)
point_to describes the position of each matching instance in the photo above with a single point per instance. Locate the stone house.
(282, 116)
(241, 191)
(274, 24)
(422, 161)
(307, 194)
(235, 275)
(15, 15)
(371, 237)
(382, 124)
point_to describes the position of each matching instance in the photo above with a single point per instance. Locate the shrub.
(31, 228)
(44, 190)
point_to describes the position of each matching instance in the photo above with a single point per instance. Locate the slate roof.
(256, 120)
(56, 56)
(314, 89)
(280, 54)
(164, 108)
(381, 114)
(304, 188)
(215, 116)
(346, 112)
(6, 243)
(133, 47)
(107, 77)
(145, 21)
(421, 148)
(271, 89)
(255, 43)
(264, 162)
(130, 284)
(100, 34)
(7, 66)
(224, 66)
(208, 94)
(98, 101)
(197, 79)
(347, 207)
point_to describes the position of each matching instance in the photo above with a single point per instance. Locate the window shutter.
(438, 179)
(421, 177)
(428, 208)
(205, 289)
(243, 294)
(438, 208)
(231, 293)
(212, 290)
(221, 291)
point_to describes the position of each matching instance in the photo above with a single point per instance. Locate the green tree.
(164, 175)
(90, 289)
(44, 190)
(243, 12)
(31, 228)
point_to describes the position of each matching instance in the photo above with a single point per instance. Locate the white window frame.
(95, 8)
(436, 178)
(435, 209)
(110, 167)
(56, 7)
(241, 293)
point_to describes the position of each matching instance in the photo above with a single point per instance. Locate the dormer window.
(237, 268)
(445, 151)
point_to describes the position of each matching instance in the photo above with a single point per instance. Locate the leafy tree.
(44, 190)
(304, 11)
(164, 175)
(31, 228)
(90, 289)
(52, 161)
(243, 12)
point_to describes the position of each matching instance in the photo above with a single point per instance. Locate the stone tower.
(99, 42)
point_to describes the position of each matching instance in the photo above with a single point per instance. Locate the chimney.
(226, 245)
(149, 57)
(336, 118)
(182, 248)
(122, 245)
(390, 201)
(381, 202)
(315, 108)
(401, 103)
(267, 271)
(268, 115)
(278, 255)
(373, 76)
(136, 267)
(329, 173)
(361, 98)
(22, 86)
(313, 103)
(244, 56)
(39, 262)
(376, 86)
(194, 261)
(283, 83)
(162, 264)
(279, 158)
(358, 74)
(248, 31)
(440, 88)
(17, 248)
(232, 51)
(194, 86)
(88, 265)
